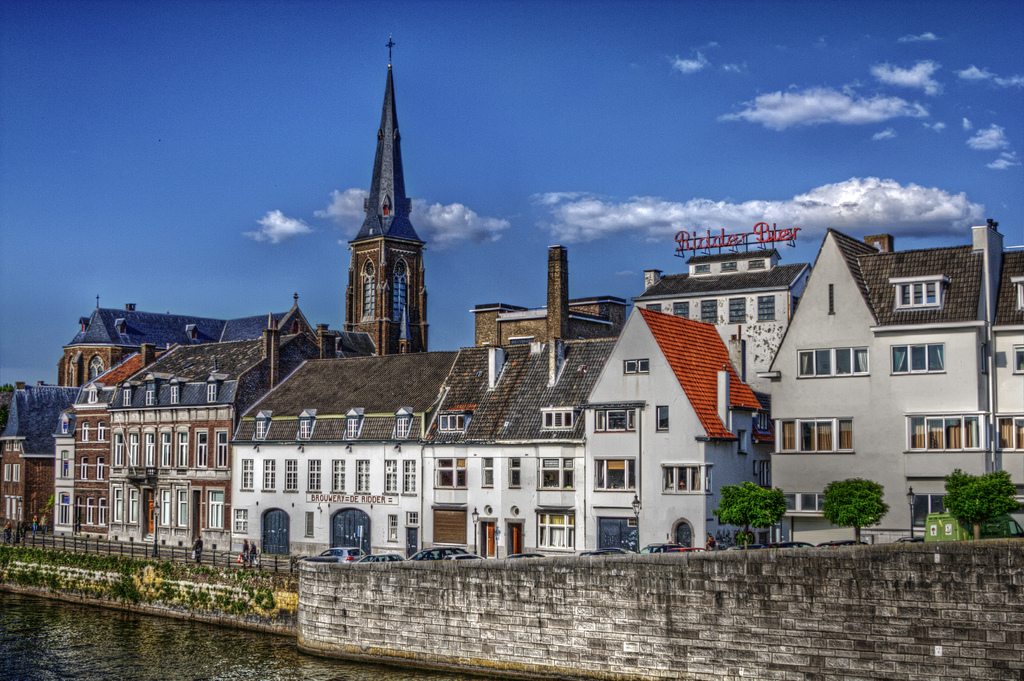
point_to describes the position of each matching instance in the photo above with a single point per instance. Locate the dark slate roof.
(388, 179)
(352, 344)
(778, 277)
(34, 416)
(1007, 311)
(726, 257)
(959, 263)
(380, 386)
(196, 363)
(248, 328)
(512, 410)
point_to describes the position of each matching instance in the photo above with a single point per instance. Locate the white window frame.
(119, 449)
(556, 530)
(211, 392)
(101, 518)
(601, 478)
(947, 420)
(909, 358)
(393, 527)
(241, 521)
(636, 366)
(363, 476)
(1018, 359)
(338, 476)
(133, 507)
(101, 431)
(453, 423)
(101, 468)
(919, 293)
(603, 419)
(799, 425)
(166, 508)
(450, 466)
(182, 508)
(85, 431)
(118, 505)
(150, 448)
(291, 475)
(222, 449)
(1016, 441)
(64, 510)
(84, 469)
(182, 454)
(133, 449)
(403, 425)
(559, 419)
(66, 465)
(215, 512)
(261, 428)
(248, 475)
(305, 427)
(166, 449)
(314, 478)
(269, 475)
(683, 478)
(391, 476)
(202, 449)
(557, 473)
(818, 357)
(515, 472)
(487, 472)
(409, 476)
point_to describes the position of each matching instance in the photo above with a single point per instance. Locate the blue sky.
(208, 158)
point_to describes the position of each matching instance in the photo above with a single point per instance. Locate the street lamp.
(156, 516)
(636, 513)
(910, 502)
(476, 534)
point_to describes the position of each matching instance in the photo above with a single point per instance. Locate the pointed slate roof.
(696, 353)
(1007, 311)
(387, 187)
(34, 416)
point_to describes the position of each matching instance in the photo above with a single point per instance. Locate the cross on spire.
(391, 43)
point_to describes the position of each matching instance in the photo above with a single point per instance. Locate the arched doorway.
(275, 531)
(351, 527)
(684, 533)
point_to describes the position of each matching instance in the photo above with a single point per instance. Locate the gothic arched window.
(369, 290)
(399, 291)
(95, 367)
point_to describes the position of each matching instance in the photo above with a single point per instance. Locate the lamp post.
(156, 516)
(476, 534)
(636, 513)
(910, 502)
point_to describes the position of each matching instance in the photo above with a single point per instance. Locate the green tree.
(748, 505)
(854, 502)
(976, 498)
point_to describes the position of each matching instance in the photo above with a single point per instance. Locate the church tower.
(386, 295)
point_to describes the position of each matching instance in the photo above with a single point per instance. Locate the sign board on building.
(367, 499)
(763, 234)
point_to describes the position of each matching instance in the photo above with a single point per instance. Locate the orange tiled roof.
(123, 370)
(696, 353)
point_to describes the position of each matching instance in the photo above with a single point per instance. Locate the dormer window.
(1018, 285)
(211, 391)
(919, 292)
(64, 425)
(702, 269)
(150, 394)
(191, 332)
(92, 396)
(262, 425)
(453, 423)
(307, 419)
(559, 419)
(120, 326)
(755, 265)
(403, 423)
(126, 396)
(729, 266)
(353, 423)
(175, 393)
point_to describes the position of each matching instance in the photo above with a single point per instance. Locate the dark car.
(526, 555)
(382, 558)
(439, 553)
(792, 545)
(339, 554)
(606, 552)
(749, 547)
(842, 542)
(909, 540)
(684, 549)
(661, 548)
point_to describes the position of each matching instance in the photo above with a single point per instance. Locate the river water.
(48, 640)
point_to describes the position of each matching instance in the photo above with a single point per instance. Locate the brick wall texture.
(917, 611)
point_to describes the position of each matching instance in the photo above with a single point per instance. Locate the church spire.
(387, 208)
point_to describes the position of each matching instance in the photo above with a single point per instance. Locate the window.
(90, 511)
(175, 393)
(64, 513)
(615, 474)
(338, 475)
(515, 473)
(222, 449)
(261, 428)
(392, 528)
(412, 518)
(202, 449)
(654, 307)
(922, 293)
(64, 425)
(399, 291)
(562, 419)
(182, 508)
(487, 468)
(65, 464)
(766, 308)
(182, 449)
(133, 506)
(805, 502)
(709, 311)
(451, 472)
(918, 358)
(241, 520)
(102, 519)
(452, 423)
(313, 475)
(247, 474)
(305, 428)
(701, 269)
(937, 433)
(610, 420)
(309, 523)
(729, 266)
(556, 530)
(352, 426)
(1018, 360)
(391, 476)
(925, 504)
(403, 424)
(150, 449)
(831, 298)
(93, 395)
(682, 479)
(101, 469)
(126, 397)
(101, 431)
(556, 473)
(85, 432)
(269, 475)
(211, 392)
(150, 395)
(165, 450)
(133, 449)
(662, 417)
(369, 291)
(833, 362)
(166, 510)
(681, 309)
(291, 475)
(763, 473)
(1011, 433)
(363, 476)
(818, 435)
(755, 265)
(636, 366)
(84, 469)
(118, 505)
(737, 310)
(409, 476)
(216, 510)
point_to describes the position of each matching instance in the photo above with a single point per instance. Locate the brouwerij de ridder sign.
(367, 499)
(763, 234)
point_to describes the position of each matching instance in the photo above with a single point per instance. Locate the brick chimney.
(884, 243)
(148, 352)
(272, 350)
(558, 292)
(19, 385)
(325, 340)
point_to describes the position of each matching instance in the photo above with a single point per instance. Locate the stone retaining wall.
(918, 611)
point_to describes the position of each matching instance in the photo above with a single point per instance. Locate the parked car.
(661, 548)
(842, 542)
(463, 556)
(607, 552)
(684, 549)
(749, 547)
(792, 545)
(340, 554)
(381, 558)
(526, 555)
(909, 540)
(945, 527)
(439, 553)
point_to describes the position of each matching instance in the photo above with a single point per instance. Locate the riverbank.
(246, 599)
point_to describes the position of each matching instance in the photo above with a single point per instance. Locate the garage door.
(449, 527)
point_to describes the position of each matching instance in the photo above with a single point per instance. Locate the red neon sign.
(763, 234)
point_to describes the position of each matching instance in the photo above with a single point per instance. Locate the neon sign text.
(763, 234)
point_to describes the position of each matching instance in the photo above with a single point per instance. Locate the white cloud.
(276, 227)
(924, 37)
(974, 73)
(1005, 160)
(625, 273)
(967, 124)
(735, 68)
(888, 133)
(937, 127)
(440, 225)
(857, 204)
(919, 76)
(1012, 81)
(690, 65)
(992, 137)
(780, 110)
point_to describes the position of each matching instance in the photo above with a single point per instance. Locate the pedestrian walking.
(7, 532)
(197, 550)
(253, 554)
(35, 525)
(245, 552)
(710, 544)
